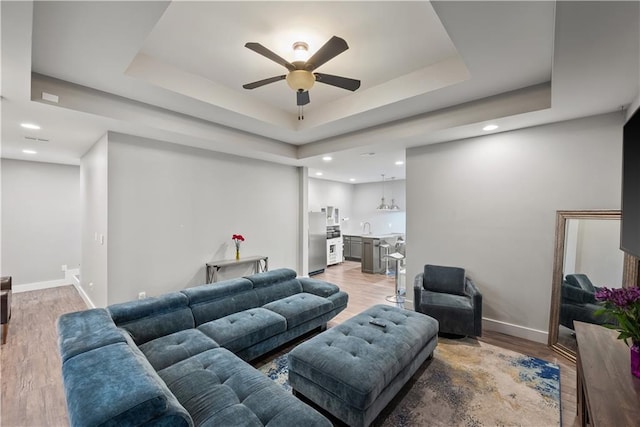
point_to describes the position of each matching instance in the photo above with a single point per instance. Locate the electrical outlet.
(64, 267)
(142, 295)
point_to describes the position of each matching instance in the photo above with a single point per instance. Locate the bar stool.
(397, 298)
(385, 256)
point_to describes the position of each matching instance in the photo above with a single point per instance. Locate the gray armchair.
(578, 302)
(446, 294)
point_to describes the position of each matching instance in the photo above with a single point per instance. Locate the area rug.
(468, 383)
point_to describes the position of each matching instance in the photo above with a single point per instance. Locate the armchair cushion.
(575, 294)
(446, 300)
(444, 279)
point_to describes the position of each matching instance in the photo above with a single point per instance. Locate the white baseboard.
(70, 278)
(515, 330)
(84, 296)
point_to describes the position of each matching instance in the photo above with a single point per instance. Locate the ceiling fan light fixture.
(300, 80)
(300, 51)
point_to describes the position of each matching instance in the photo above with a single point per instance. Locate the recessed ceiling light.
(352, 179)
(318, 173)
(30, 126)
(490, 127)
(29, 152)
(399, 163)
(327, 158)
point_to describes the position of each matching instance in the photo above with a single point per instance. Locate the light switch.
(102, 239)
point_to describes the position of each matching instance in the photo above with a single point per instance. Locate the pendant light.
(393, 206)
(383, 205)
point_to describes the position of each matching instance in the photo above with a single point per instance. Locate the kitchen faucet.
(364, 226)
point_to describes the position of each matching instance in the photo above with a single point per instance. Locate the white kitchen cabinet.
(334, 250)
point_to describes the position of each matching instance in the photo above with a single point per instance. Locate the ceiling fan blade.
(264, 82)
(338, 81)
(303, 98)
(334, 47)
(258, 48)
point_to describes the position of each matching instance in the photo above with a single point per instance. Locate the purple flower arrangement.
(624, 305)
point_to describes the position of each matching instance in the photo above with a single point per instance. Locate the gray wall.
(93, 190)
(40, 220)
(488, 204)
(174, 208)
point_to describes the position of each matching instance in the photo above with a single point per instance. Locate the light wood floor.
(31, 382)
(30, 373)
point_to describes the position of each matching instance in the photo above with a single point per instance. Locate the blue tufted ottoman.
(353, 370)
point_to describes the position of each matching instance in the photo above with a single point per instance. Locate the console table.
(260, 263)
(608, 395)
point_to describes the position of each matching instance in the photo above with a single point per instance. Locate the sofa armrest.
(5, 283)
(5, 306)
(318, 287)
(472, 290)
(476, 301)
(115, 385)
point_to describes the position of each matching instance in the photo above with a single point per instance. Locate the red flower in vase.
(237, 239)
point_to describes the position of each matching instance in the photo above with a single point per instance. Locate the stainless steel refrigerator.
(317, 242)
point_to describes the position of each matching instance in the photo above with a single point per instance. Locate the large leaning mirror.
(587, 256)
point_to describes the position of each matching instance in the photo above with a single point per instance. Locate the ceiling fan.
(301, 76)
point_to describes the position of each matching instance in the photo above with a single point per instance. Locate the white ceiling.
(431, 72)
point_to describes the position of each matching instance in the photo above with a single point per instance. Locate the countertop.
(377, 236)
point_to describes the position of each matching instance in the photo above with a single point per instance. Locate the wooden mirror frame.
(629, 271)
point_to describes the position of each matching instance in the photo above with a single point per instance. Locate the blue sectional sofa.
(177, 359)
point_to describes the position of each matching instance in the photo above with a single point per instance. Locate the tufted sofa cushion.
(151, 318)
(216, 300)
(244, 329)
(300, 308)
(274, 285)
(170, 349)
(218, 389)
(355, 360)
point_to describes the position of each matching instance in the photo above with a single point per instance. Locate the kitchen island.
(366, 249)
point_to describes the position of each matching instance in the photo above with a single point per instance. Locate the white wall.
(358, 203)
(599, 255)
(95, 242)
(367, 197)
(488, 204)
(174, 208)
(40, 221)
(323, 193)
